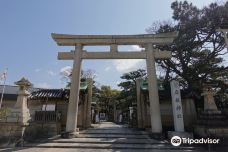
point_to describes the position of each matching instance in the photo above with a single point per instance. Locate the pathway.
(105, 137)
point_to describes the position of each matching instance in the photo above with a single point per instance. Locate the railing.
(47, 116)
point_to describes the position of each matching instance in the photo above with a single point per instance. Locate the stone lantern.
(22, 94)
(17, 120)
(209, 102)
(211, 121)
(20, 112)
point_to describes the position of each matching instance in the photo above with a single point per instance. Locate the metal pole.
(3, 90)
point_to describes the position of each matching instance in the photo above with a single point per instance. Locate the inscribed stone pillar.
(156, 124)
(177, 106)
(177, 112)
(71, 125)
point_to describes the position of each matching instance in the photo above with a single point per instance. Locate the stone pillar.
(139, 108)
(177, 106)
(85, 111)
(143, 107)
(113, 48)
(114, 112)
(156, 124)
(90, 91)
(72, 113)
(177, 113)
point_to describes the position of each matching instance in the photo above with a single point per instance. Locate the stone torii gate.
(146, 41)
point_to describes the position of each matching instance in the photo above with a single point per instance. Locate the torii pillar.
(72, 112)
(155, 114)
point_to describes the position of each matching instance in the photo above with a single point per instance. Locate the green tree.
(66, 75)
(107, 92)
(130, 79)
(128, 93)
(197, 52)
(107, 97)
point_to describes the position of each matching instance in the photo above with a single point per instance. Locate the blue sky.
(27, 49)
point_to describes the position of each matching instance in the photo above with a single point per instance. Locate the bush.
(4, 112)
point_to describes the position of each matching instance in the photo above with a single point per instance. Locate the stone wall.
(216, 132)
(14, 133)
(41, 130)
(11, 133)
(189, 113)
(8, 103)
(61, 106)
(8, 129)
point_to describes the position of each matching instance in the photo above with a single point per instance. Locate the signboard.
(177, 106)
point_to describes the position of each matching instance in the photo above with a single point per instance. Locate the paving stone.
(108, 140)
(106, 137)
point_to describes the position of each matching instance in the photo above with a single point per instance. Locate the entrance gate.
(146, 41)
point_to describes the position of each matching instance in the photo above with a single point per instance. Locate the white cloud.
(66, 71)
(51, 73)
(136, 48)
(128, 65)
(43, 85)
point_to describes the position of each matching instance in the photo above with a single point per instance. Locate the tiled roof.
(55, 94)
(61, 94)
(10, 92)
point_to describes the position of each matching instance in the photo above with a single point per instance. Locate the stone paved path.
(105, 137)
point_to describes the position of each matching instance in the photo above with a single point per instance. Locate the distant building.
(10, 95)
(49, 106)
